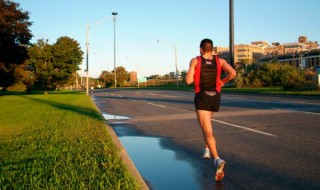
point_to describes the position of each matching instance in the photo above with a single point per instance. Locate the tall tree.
(53, 65)
(14, 37)
(41, 62)
(107, 78)
(67, 56)
(122, 75)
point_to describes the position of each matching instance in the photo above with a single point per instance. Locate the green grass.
(261, 90)
(272, 90)
(57, 141)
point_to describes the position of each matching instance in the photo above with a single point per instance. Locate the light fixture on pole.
(87, 52)
(114, 45)
(87, 59)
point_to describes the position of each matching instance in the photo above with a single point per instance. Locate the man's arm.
(231, 73)
(190, 73)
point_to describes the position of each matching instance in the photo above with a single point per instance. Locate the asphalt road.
(268, 141)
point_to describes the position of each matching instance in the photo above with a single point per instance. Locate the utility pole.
(114, 46)
(231, 33)
(176, 60)
(87, 59)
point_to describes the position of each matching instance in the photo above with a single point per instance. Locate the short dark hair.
(206, 45)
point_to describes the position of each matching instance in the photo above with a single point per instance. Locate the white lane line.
(168, 96)
(292, 110)
(156, 105)
(245, 128)
(293, 102)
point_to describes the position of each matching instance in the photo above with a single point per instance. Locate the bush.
(18, 87)
(274, 74)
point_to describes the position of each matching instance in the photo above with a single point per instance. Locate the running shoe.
(219, 165)
(206, 154)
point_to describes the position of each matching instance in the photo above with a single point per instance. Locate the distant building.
(260, 43)
(304, 53)
(249, 53)
(303, 59)
(220, 50)
(303, 39)
(133, 76)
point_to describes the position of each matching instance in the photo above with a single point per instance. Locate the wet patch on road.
(162, 164)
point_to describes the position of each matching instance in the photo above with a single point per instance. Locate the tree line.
(33, 66)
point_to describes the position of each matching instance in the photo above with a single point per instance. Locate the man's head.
(206, 46)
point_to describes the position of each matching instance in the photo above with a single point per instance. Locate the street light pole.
(176, 63)
(114, 46)
(176, 60)
(87, 59)
(231, 33)
(301, 66)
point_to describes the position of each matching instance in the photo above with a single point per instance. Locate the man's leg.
(204, 118)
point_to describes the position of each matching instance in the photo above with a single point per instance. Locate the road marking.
(293, 102)
(292, 110)
(156, 105)
(168, 96)
(245, 128)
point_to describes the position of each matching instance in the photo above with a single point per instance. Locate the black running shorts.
(207, 101)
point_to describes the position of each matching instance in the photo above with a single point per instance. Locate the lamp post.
(87, 59)
(304, 64)
(176, 63)
(231, 33)
(114, 46)
(87, 52)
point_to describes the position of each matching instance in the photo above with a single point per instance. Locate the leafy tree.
(14, 37)
(166, 76)
(122, 75)
(184, 74)
(67, 56)
(41, 62)
(154, 77)
(106, 78)
(54, 65)
(24, 76)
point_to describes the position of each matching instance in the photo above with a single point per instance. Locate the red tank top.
(207, 75)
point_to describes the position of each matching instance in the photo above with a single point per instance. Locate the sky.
(149, 31)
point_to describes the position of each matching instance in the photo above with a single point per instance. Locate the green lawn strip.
(57, 141)
(272, 90)
(261, 90)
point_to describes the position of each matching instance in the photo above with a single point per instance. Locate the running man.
(205, 72)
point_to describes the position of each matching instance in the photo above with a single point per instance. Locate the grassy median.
(57, 141)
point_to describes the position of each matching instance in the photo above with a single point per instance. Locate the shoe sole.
(206, 157)
(220, 172)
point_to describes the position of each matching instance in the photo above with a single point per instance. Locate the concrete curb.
(126, 159)
(124, 156)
